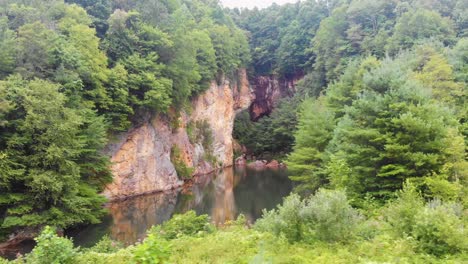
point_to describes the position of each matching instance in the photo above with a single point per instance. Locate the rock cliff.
(269, 90)
(201, 138)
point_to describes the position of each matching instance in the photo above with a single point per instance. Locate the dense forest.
(375, 136)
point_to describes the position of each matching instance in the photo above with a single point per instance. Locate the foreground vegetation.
(323, 228)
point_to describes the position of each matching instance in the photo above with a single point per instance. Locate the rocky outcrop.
(241, 161)
(258, 164)
(274, 164)
(141, 158)
(263, 164)
(269, 90)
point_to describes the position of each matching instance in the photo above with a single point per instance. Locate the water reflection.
(223, 196)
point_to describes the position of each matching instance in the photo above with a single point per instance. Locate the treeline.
(325, 35)
(74, 72)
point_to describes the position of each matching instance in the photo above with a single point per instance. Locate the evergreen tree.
(314, 131)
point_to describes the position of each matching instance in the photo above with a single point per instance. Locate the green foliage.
(7, 51)
(106, 245)
(233, 244)
(279, 35)
(313, 134)
(440, 230)
(286, 220)
(51, 249)
(48, 148)
(147, 87)
(188, 224)
(326, 216)
(152, 250)
(204, 134)
(272, 134)
(388, 128)
(419, 24)
(436, 236)
(183, 171)
(438, 227)
(124, 256)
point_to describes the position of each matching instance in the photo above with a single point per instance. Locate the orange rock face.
(141, 158)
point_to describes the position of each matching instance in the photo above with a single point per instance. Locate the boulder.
(241, 161)
(274, 164)
(258, 164)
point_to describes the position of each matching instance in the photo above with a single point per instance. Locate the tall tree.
(51, 154)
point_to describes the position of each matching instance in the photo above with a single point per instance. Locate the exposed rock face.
(268, 91)
(142, 157)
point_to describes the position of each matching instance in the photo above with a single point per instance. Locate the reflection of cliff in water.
(133, 217)
(129, 220)
(223, 196)
(224, 208)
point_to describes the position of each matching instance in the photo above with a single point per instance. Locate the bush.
(106, 245)
(285, 220)
(232, 244)
(124, 256)
(330, 217)
(401, 213)
(51, 249)
(183, 224)
(440, 230)
(152, 251)
(326, 216)
(438, 227)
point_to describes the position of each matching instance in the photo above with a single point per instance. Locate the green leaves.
(52, 249)
(325, 216)
(388, 129)
(55, 145)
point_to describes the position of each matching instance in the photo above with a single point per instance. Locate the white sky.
(253, 3)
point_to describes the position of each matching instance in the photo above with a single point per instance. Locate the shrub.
(231, 244)
(124, 256)
(330, 217)
(285, 220)
(183, 224)
(106, 245)
(401, 213)
(440, 230)
(51, 249)
(438, 227)
(326, 216)
(152, 251)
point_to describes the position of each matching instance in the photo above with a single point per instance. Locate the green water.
(223, 196)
